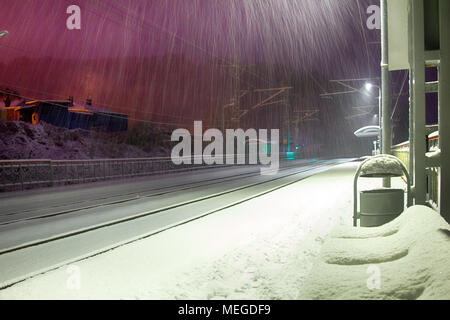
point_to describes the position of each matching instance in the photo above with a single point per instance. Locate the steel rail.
(150, 212)
(133, 195)
(11, 282)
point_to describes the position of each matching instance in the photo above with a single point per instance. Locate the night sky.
(167, 61)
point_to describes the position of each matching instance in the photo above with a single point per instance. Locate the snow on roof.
(407, 258)
(402, 145)
(433, 135)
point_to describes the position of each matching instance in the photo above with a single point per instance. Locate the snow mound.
(435, 152)
(22, 140)
(411, 255)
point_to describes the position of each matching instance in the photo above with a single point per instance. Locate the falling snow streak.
(168, 60)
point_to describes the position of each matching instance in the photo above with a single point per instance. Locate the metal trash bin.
(379, 206)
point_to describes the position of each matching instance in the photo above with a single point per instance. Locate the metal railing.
(28, 174)
(401, 151)
(21, 174)
(433, 181)
(433, 171)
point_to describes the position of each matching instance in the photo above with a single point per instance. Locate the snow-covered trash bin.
(379, 206)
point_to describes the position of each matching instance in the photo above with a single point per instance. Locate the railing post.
(51, 173)
(66, 171)
(21, 176)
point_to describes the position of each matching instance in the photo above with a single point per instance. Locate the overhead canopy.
(369, 131)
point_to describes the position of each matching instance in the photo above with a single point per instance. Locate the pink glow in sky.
(147, 57)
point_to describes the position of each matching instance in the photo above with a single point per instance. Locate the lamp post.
(385, 136)
(385, 86)
(368, 87)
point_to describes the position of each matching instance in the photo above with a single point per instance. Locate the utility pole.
(288, 120)
(283, 93)
(235, 110)
(235, 113)
(223, 119)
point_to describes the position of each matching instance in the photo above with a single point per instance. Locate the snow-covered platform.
(277, 246)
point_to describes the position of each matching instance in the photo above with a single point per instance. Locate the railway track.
(54, 239)
(33, 213)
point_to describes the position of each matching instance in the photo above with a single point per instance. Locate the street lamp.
(368, 87)
(3, 33)
(385, 143)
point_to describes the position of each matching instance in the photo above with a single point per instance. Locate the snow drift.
(412, 254)
(22, 140)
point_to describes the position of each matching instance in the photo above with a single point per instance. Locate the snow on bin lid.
(382, 166)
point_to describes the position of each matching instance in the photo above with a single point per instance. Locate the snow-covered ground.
(22, 140)
(267, 248)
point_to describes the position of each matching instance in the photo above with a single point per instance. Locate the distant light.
(368, 86)
(296, 148)
(3, 33)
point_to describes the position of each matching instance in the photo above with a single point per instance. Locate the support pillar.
(419, 130)
(444, 108)
(386, 136)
